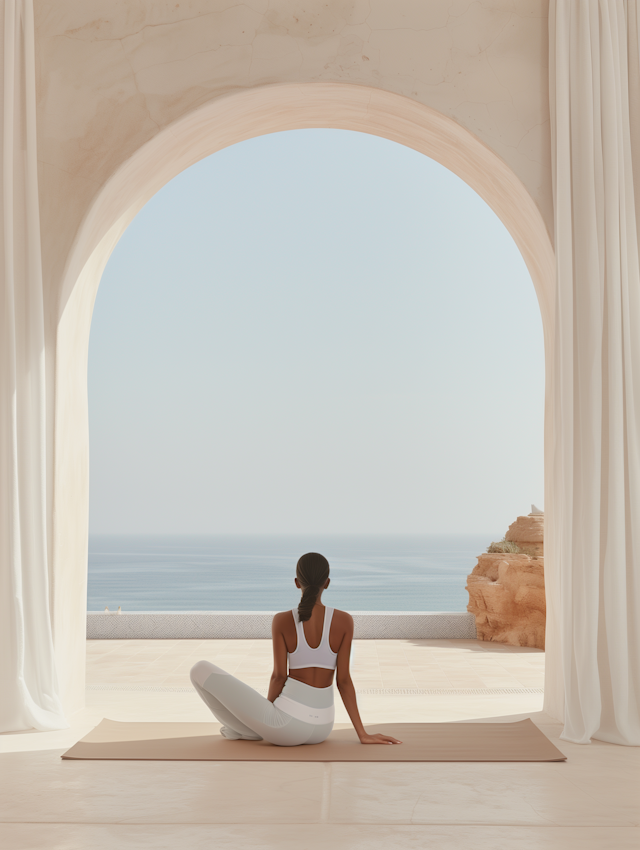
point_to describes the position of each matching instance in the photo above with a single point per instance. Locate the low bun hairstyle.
(312, 571)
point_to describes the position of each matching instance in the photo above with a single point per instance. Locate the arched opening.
(316, 340)
(199, 134)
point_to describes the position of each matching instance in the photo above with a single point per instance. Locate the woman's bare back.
(317, 677)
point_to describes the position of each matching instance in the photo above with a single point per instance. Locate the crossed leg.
(246, 714)
(232, 727)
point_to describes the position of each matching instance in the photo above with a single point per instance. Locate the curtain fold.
(594, 533)
(28, 686)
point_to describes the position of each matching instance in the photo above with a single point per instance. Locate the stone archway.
(198, 134)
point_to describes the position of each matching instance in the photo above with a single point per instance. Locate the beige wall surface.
(112, 75)
(131, 93)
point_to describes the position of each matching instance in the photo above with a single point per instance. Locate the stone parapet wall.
(203, 625)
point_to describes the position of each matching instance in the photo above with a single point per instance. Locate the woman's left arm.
(348, 692)
(279, 675)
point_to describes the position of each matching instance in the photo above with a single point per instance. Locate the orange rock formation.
(506, 590)
(528, 533)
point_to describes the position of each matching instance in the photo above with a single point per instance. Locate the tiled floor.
(451, 664)
(589, 802)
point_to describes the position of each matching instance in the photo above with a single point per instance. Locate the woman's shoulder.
(283, 624)
(282, 618)
(342, 617)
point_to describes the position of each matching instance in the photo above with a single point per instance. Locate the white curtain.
(28, 687)
(594, 527)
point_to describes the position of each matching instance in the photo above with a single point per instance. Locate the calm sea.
(255, 573)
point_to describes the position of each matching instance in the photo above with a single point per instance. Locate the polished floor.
(590, 802)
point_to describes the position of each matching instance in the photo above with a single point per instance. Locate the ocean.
(255, 573)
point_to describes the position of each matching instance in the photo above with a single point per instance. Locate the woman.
(299, 707)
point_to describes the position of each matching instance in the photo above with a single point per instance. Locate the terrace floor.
(592, 801)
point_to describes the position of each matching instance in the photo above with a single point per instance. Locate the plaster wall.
(112, 75)
(130, 94)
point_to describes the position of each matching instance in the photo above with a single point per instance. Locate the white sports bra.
(304, 655)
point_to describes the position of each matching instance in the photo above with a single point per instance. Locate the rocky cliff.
(506, 589)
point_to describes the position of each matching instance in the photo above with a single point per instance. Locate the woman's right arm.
(279, 675)
(348, 692)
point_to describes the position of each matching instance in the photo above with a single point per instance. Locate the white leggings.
(300, 715)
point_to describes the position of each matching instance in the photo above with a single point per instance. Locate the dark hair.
(312, 571)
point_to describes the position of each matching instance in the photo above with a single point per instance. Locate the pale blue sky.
(315, 331)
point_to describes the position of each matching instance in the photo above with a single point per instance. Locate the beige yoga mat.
(519, 741)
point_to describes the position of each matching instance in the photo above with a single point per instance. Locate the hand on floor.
(379, 739)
